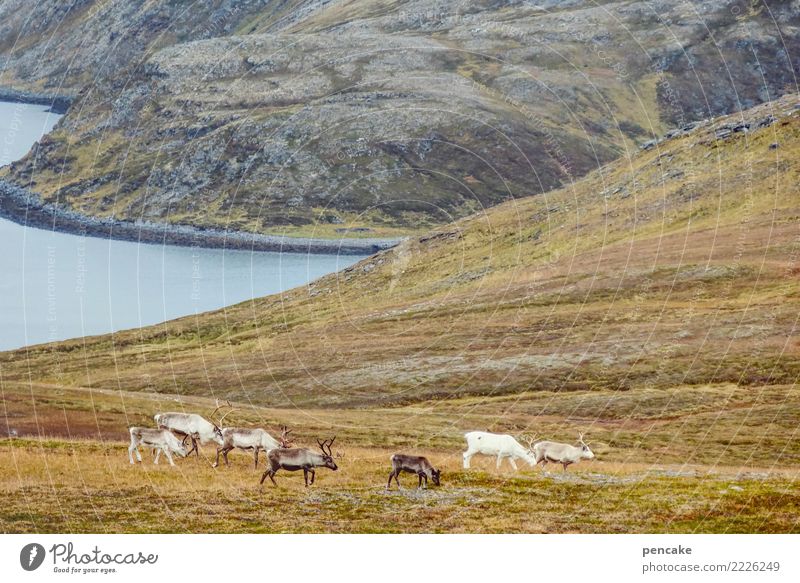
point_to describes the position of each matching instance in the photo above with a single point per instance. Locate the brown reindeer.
(293, 460)
(413, 465)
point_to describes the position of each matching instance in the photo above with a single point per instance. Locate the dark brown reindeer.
(292, 460)
(413, 465)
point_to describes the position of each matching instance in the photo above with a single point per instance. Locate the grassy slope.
(677, 266)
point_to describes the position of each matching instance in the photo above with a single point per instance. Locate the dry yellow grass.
(57, 486)
(74, 476)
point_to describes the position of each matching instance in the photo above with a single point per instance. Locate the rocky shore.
(58, 103)
(26, 208)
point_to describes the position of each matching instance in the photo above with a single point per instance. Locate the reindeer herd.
(281, 455)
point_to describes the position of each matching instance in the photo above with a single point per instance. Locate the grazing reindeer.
(562, 453)
(158, 439)
(413, 465)
(192, 426)
(255, 439)
(292, 460)
(493, 444)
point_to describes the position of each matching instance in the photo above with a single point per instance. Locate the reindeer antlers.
(328, 444)
(214, 412)
(221, 419)
(530, 439)
(284, 440)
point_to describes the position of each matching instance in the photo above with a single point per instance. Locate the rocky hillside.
(61, 47)
(370, 117)
(674, 269)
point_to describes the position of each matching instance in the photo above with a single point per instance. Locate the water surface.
(55, 286)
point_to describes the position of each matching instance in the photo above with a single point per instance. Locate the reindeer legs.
(194, 444)
(396, 475)
(224, 451)
(169, 456)
(194, 447)
(131, 451)
(270, 472)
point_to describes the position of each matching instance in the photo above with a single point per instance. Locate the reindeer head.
(529, 455)
(176, 446)
(327, 456)
(218, 425)
(218, 439)
(586, 453)
(435, 474)
(284, 440)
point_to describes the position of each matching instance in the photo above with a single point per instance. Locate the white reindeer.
(192, 426)
(158, 439)
(246, 438)
(494, 444)
(562, 453)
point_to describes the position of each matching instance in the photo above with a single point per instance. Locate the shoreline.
(25, 208)
(58, 103)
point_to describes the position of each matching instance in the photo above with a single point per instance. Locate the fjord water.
(55, 286)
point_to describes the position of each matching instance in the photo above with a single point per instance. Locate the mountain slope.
(332, 117)
(61, 47)
(675, 267)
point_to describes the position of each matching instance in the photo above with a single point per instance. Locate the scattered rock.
(354, 230)
(723, 133)
(447, 235)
